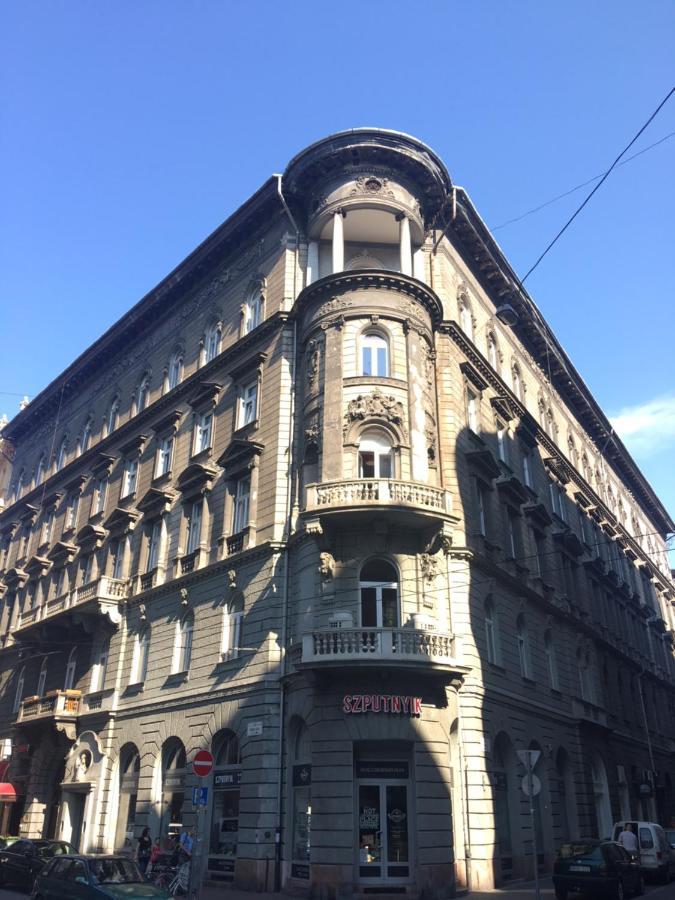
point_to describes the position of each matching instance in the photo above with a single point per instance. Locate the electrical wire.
(598, 185)
(578, 187)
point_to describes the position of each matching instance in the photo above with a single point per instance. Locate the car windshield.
(47, 849)
(114, 871)
(582, 850)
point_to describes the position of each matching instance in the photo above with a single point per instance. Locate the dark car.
(21, 861)
(597, 868)
(94, 878)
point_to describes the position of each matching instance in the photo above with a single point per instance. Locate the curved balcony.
(99, 597)
(409, 648)
(403, 502)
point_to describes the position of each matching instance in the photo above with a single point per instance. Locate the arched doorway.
(173, 789)
(129, 774)
(505, 800)
(566, 809)
(603, 809)
(224, 833)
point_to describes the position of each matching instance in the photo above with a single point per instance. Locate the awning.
(7, 792)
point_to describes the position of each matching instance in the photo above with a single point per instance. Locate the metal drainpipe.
(289, 502)
(645, 720)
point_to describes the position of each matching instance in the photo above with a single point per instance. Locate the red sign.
(381, 703)
(202, 763)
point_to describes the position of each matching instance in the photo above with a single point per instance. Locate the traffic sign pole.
(529, 759)
(202, 764)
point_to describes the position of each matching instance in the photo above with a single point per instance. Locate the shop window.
(302, 804)
(173, 788)
(376, 457)
(224, 835)
(71, 667)
(374, 355)
(379, 595)
(129, 775)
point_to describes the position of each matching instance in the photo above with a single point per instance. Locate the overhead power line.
(598, 185)
(578, 187)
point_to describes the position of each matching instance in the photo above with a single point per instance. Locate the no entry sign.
(202, 763)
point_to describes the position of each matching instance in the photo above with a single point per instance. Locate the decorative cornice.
(239, 455)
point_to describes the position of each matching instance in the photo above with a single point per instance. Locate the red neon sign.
(396, 704)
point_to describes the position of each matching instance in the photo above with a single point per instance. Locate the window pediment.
(570, 542)
(513, 490)
(102, 465)
(121, 521)
(8, 530)
(15, 578)
(205, 394)
(76, 484)
(247, 367)
(134, 447)
(239, 456)
(557, 468)
(538, 513)
(483, 463)
(51, 500)
(502, 407)
(155, 502)
(90, 537)
(197, 478)
(29, 514)
(62, 553)
(527, 430)
(473, 376)
(168, 423)
(582, 499)
(37, 566)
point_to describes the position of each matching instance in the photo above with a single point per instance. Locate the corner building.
(332, 502)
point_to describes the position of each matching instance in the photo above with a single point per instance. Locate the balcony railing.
(589, 713)
(104, 591)
(396, 646)
(97, 702)
(188, 562)
(61, 704)
(378, 492)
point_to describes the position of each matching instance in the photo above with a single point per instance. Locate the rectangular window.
(540, 555)
(472, 400)
(130, 477)
(203, 431)
(523, 655)
(512, 534)
(71, 512)
(164, 455)
(481, 509)
(527, 469)
(248, 404)
(117, 552)
(490, 639)
(231, 634)
(194, 529)
(48, 527)
(241, 505)
(502, 443)
(98, 504)
(100, 669)
(154, 539)
(88, 568)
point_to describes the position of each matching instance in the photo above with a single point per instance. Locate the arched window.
(233, 617)
(211, 345)
(493, 352)
(517, 382)
(374, 354)
(491, 632)
(113, 415)
(139, 666)
(40, 472)
(18, 693)
(523, 640)
(379, 595)
(227, 752)
(99, 670)
(42, 679)
(603, 809)
(572, 451)
(129, 774)
(376, 457)
(71, 666)
(60, 460)
(182, 651)
(18, 487)
(173, 790)
(85, 438)
(174, 371)
(551, 661)
(465, 317)
(253, 311)
(142, 394)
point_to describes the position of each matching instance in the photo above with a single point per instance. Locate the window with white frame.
(40, 473)
(376, 457)
(527, 468)
(98, 499)
(130, 476)
(242, 498)
(523, 646)
(493, 353)
(231, 637)
(248, 403)
(551, 661)
(71, 511)
(164, 455)
(61, 455)
(374, 355)
(472, 415)
(48, 526)
(194, 526)
(42, 679)
(182, 651)
(85, 440)
(203, 432)
(117, 555)
(212, 338)
(174, 372)
(512, 522)
(465, 318)
(502, 442)
(113, 415)
(18, 693)
(139, 665)
(154, 544)
(491, 637)
(71, 667)
(59, 581)
(142, 394)
(100, 668)
(253, 314)
(87, 568)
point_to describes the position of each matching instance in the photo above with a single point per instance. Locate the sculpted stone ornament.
(375, 406)
(430, 434)
(184, 597)
(312, 362)
(82, 765)
(231, 578)
(429, 567)
(326, 566)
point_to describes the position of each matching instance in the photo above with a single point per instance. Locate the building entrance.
(383, 823)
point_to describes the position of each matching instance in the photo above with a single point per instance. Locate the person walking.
(628, 840)
(144, 850)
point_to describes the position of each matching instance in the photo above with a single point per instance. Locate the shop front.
(224, 829)
(383, 819)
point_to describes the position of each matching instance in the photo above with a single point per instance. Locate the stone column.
(405, 245)
(338, 243)
(312, 262)
(331, 434)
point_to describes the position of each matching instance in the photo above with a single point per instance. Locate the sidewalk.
(521, 891)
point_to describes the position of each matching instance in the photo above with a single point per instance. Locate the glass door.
(383, 832)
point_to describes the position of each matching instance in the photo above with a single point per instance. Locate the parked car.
(598, 868)
(670, 837)
(94, 878)
(657, 859)
(7, 839)
(21, 861)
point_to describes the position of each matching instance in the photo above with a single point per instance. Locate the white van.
(656, 856)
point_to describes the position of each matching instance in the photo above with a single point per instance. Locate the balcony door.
(379, 595)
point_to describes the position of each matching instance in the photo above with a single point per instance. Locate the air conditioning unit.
(341, 619)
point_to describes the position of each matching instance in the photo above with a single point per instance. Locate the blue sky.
(130, 130)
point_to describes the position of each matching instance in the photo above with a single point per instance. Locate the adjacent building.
(332, 502)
